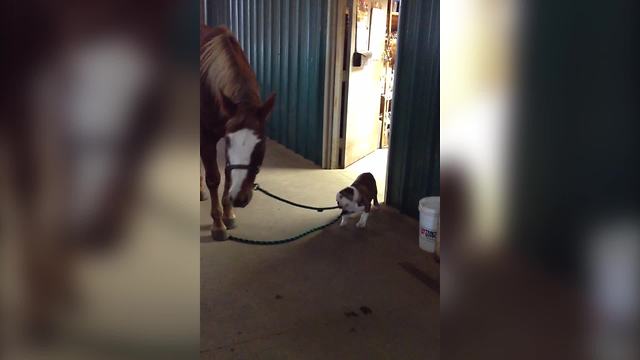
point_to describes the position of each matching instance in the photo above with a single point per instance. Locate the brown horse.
(230, 107)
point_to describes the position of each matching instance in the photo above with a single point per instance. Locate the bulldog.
(356, 199)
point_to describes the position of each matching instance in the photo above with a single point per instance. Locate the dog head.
(347, 198)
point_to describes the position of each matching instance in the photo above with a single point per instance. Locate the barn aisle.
(342, 293)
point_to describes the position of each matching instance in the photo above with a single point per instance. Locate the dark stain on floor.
(351, 314)
(365, 310)
(433, 284)
(278, 296)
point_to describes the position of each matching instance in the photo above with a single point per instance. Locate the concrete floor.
(342, 293)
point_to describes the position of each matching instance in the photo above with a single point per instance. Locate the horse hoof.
(203, 196)
(230, 223)
(219, 235)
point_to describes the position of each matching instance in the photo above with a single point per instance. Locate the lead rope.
(318, 209)
(289, 239)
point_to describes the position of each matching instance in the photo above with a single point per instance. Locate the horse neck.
(244, 89)
(228, 69)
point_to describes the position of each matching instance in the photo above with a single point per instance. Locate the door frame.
(336, 89)
(203, 12)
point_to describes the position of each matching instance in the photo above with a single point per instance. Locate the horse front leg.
(229, 217)
(212, 179)
(203, 194)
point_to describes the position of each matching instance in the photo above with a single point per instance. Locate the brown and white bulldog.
(356, 199)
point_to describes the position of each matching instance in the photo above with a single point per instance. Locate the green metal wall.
(414, 153)
(284, 41)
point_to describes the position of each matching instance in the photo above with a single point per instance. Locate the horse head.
(245, 146)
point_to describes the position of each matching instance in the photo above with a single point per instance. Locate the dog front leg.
(363, 219)
(343, 221)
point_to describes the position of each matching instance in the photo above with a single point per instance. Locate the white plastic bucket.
(429, 219)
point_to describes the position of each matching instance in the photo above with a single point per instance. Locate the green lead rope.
(283, 241)
(289, 239)
(318, 209)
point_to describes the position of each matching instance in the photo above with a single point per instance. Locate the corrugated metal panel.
(414, 154)
(284, 41)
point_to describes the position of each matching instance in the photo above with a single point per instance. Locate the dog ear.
(347, 192)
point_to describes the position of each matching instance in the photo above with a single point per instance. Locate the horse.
(230, 108)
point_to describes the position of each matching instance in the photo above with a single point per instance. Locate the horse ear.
(228, 106)
(267, 107)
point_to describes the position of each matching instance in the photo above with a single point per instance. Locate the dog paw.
(361, 225)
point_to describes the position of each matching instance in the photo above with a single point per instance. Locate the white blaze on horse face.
(241, 145)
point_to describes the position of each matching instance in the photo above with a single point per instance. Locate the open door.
(364, 124)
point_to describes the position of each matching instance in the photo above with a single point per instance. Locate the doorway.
(365, 55)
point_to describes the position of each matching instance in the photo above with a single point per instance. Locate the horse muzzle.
(241, 200)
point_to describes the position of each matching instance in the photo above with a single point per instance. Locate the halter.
(247, 167)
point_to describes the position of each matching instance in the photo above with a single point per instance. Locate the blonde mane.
(226, 69)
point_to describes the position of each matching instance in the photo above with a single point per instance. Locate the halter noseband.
(248, 167)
